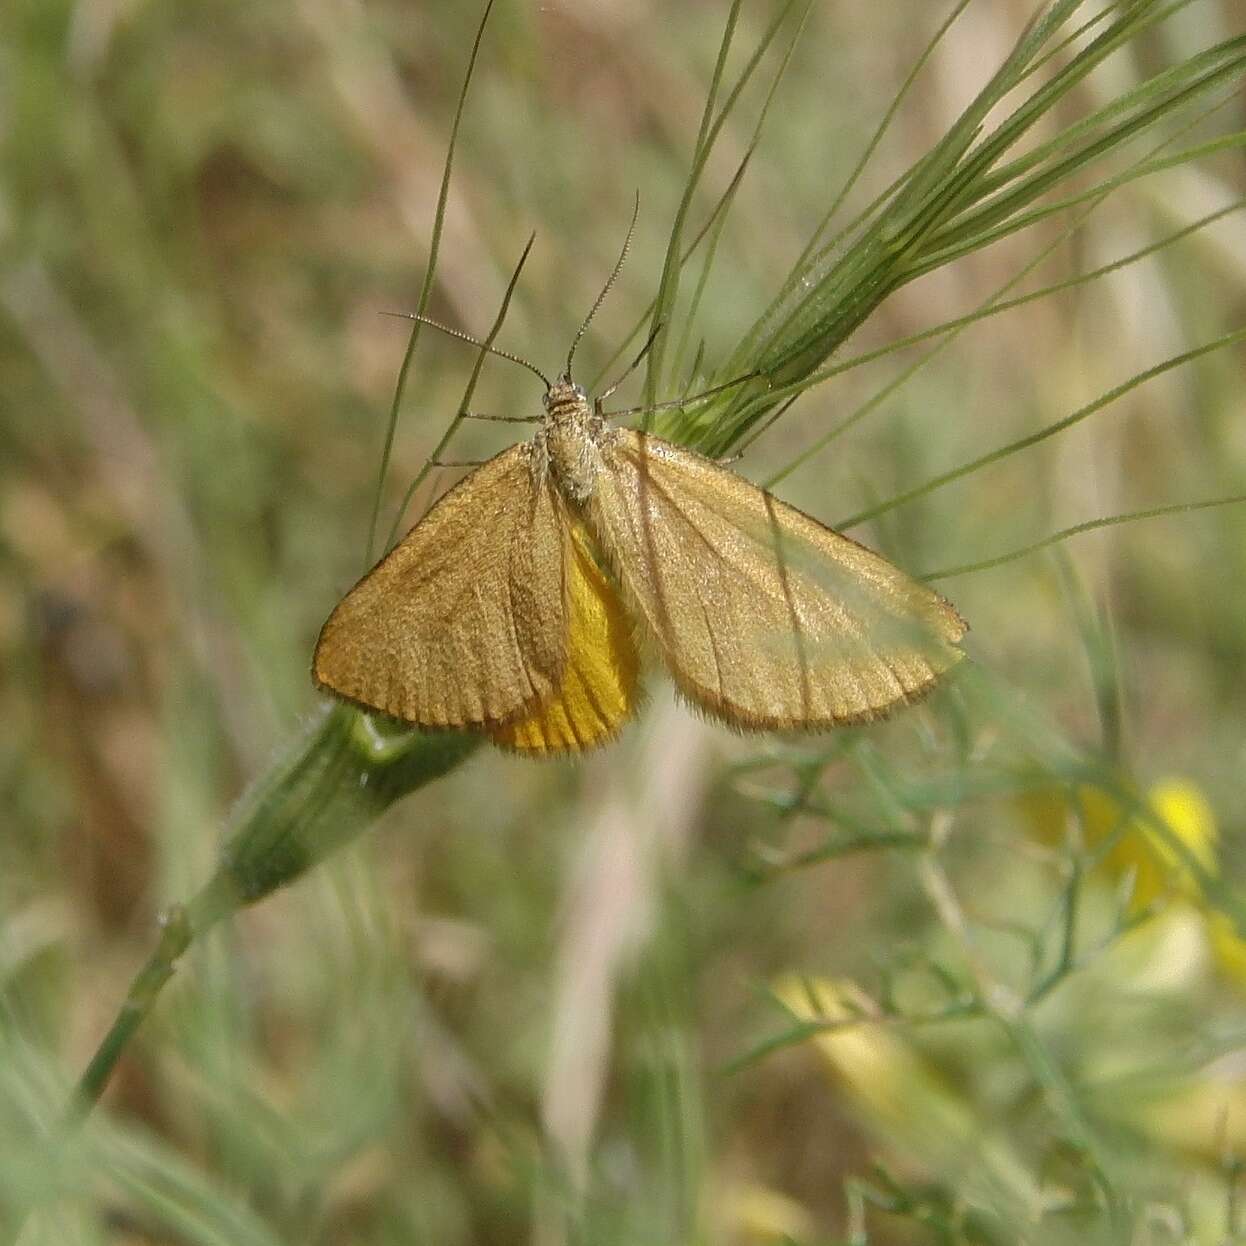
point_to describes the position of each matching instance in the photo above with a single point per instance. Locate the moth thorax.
(573, 457)
(570, 445)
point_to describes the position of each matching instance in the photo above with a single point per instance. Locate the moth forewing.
(463, 623)
(763, 616)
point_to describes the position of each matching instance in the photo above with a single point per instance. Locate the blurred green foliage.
(972, 975)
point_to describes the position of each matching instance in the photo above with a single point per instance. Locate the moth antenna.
(467, 337)
(601, 298)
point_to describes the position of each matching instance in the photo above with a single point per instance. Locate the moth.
(519, 605)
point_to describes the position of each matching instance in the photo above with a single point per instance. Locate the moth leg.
(458, 462)
(691, 398)
(631, 367)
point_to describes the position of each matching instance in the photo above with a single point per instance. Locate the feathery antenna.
(601, 298)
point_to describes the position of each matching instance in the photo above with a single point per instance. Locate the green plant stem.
(176, 937)
(1031, 439)
(330, 787)
(1090, 525)
(333, 785)
(426, 290)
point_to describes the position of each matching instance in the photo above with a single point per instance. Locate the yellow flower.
(900, 1093)
(1159, 862)
(1138, 846)
(883, 1072)
(1185, 811)
(758, 1213)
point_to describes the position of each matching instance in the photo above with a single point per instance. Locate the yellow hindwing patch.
(598, 689)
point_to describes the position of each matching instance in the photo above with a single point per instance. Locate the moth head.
(564, 391)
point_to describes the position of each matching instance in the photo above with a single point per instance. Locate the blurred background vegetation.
(975, 974)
